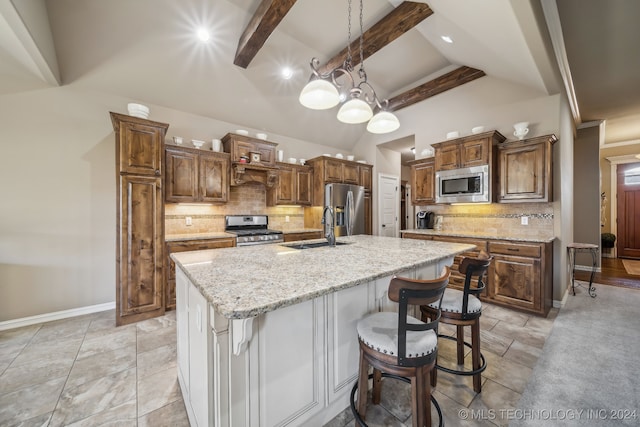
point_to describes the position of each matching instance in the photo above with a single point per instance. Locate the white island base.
(293, 366)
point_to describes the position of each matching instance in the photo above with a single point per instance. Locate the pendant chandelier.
(326, 90)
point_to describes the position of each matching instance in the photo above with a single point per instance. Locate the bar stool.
(572, 249)
(400, 346)
(463, 308)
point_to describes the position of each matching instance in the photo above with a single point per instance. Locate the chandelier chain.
(361, 40)
(347, 62)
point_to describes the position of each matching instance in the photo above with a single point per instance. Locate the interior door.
(628, 240)
(389, 205)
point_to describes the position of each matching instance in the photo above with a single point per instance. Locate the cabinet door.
(365, 177)
(474, 153)
(523, 174)
(304, 187)
(199, 350)
(182, 176)
(423, 183)
(516, 281)
(140, 149)
(241, 148)
(285, 189)
(447, 156)
(332, 171)
(182, 328)
(350, 174)
(368, 216)
(140, 252)
(214, 179)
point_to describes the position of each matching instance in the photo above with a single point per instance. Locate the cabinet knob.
(157, 172)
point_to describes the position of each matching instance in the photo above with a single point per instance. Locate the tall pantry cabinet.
(140, 218)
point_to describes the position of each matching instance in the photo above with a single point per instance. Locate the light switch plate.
(524, 220)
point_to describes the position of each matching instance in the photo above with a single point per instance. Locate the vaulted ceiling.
(145, 50)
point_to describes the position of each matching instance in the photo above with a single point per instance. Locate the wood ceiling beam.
(403, 18)
(452, 79)
(262, 24)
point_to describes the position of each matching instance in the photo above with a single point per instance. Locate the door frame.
(613, 201)
(396, 178)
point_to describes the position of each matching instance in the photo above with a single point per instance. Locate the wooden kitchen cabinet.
(472, 150)
(331, 170)
(241, 145)
(303, 235)
(423, 176)
(196, 176)
(139, 218)
(521, 276)
(525, 170)
(184, 246)
(294, 186)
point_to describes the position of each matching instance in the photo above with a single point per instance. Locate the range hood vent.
(247, 173)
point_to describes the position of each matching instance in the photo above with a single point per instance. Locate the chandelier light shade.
(383, 122)
(319, 94)
(355, 111)
(324, 89)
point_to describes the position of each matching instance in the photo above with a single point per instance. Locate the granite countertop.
(488, 236)
(247, 281)
(197, 236)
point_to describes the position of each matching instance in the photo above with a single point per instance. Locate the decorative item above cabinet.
(525, 170)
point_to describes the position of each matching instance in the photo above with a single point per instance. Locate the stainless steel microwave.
(467, 185)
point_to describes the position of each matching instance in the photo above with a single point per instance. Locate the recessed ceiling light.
(287, 73)
(447, 39)
(204, 35)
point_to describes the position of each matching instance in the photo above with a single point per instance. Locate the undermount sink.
(313, 245)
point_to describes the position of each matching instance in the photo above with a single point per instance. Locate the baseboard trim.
(56, 315)
(563, 301)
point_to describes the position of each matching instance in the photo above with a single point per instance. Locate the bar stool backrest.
(408, 292)
(473, 268)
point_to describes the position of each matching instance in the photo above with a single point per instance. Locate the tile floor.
(86, 372)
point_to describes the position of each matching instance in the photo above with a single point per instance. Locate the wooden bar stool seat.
(400, 346)
(463, 308)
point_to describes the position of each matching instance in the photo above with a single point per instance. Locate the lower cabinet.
(303, 235)
(520, 276)
(184, 246)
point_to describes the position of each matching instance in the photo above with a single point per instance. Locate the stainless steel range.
(251, 230)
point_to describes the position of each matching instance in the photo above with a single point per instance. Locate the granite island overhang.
(266, 334)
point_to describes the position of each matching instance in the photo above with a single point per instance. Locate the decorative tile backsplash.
(246, 199)
(497, 219)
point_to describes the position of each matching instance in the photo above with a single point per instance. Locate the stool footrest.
(461, 372)
(359, 419)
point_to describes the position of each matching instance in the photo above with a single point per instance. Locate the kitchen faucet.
(329, 235)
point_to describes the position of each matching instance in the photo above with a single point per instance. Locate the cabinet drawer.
(416, 236)
(515, 249)
(481, 245)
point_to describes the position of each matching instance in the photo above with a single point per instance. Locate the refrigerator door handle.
(350, 212)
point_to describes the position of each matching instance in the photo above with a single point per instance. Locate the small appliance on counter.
(426, 219)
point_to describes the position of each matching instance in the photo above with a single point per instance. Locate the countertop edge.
(431, 232)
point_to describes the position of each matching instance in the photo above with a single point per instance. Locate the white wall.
(58, 186)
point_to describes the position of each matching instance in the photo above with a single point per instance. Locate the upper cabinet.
(423, 181)
(140, 143)
(331, 170)
(196, 176)
(293, 187)
(242, 146)
(473, 150)
(525, 170)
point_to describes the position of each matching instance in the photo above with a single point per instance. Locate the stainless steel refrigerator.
(346, 203)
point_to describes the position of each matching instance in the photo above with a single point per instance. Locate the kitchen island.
(266, 334)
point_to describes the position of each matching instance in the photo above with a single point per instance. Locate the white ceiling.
(145, 50)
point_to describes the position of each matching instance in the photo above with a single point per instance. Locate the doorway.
(628, 209)
(388, 205)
